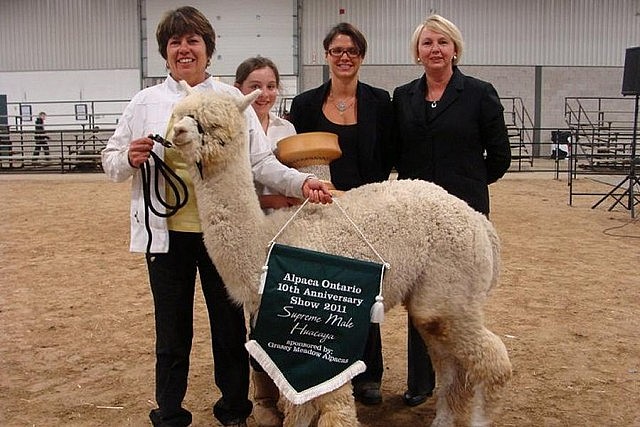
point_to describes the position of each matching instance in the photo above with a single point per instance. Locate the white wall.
(244, 28)
(69, 85)
(82, 85)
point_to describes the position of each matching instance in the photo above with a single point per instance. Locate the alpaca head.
(209, 127)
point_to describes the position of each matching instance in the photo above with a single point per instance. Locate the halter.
(171, 178)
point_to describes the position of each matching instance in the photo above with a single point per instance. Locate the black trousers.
(372, 357)
(421, 379)
(172, 277)
(41, 144)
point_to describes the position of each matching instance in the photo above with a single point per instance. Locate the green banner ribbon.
(313, 320)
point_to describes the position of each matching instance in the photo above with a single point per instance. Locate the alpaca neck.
(229, 208)
(235, 230)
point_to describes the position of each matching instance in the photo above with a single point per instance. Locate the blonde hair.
(440, 25)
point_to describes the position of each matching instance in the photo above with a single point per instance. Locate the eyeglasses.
(337, 52)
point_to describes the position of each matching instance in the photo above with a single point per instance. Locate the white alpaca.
(444, 259)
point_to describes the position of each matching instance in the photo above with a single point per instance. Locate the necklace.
(342, 105)
(434, 104)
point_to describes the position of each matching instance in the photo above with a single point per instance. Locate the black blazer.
(463, 146)
(374, 126)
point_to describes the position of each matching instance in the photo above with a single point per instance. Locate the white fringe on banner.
(295, 397)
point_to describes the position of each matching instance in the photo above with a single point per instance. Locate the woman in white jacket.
(186, 41)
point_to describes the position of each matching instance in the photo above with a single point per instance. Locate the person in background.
(261, 73)
(450, 130)
(41, 137)
(186, 40)
(361, 116)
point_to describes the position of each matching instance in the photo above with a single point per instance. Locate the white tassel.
(263, 279)
(377, 310)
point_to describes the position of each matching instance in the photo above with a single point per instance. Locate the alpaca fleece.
(444, 258)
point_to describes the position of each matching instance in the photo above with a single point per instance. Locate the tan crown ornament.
(310, 152)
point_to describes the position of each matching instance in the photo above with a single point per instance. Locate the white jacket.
(278, 129)
(148, 113)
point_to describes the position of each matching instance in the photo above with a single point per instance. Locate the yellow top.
(187, 218)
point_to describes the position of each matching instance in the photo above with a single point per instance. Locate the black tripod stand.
(631, 194)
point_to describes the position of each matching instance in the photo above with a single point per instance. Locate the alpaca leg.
(338, 408)
(475, 368)
(265, 395)
(298, 415)
(493, 373)
(468, 360)
(453, 396)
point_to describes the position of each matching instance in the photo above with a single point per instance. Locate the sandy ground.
(77, 322)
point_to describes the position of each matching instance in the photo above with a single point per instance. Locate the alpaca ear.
(186, 87)
(245, 101)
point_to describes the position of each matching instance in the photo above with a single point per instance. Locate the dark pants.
(372, 357)
(172, 277)
(420, 376)
(41, 144)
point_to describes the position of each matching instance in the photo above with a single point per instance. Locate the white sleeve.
(115, 160)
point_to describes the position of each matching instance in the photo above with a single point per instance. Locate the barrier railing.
(63, 151)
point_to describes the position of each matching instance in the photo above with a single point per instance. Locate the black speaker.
(631, 78)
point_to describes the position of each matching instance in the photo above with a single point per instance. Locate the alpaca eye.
(200, 129)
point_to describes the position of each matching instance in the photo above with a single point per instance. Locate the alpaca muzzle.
(186, 131)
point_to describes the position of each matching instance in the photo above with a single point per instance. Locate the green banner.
(313, 320)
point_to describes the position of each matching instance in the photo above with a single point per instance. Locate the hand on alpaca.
(316, 191)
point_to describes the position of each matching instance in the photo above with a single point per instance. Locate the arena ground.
(77, 321)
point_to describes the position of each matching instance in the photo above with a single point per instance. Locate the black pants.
(372, 357)
(421, 379)
(41, 144)
(172, 277)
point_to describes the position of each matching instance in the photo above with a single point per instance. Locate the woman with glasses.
(361, 117)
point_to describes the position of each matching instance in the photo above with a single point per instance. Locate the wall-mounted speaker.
(631, 77)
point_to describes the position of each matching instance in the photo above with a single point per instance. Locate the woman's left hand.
(316, 191)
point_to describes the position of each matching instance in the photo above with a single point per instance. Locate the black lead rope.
(171, 178)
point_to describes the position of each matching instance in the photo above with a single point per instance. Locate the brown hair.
(181, 21)
(249, 65)
(350, 30)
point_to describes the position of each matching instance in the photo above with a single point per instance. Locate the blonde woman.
(450, 130)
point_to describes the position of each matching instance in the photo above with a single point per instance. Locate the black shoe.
(411, 399)
(182, 418)
(368, 394)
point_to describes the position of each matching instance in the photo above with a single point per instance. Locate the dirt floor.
(77, 322)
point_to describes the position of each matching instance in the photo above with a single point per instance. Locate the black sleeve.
(494, 136)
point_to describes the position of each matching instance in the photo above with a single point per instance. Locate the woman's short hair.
(440, 25)
(182, 21)
(350, 30)
(249, 65)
